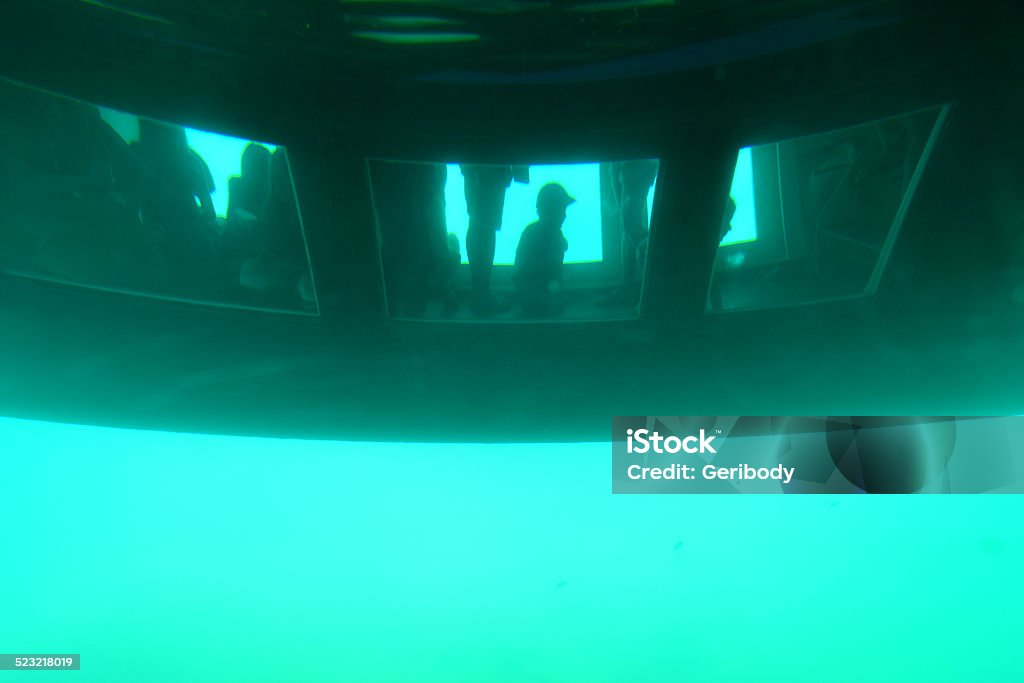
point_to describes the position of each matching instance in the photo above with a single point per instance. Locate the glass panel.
(743, 225)
(562, 241)
(101, 198)
(816, 218)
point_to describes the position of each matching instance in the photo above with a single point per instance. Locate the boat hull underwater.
(936, 332)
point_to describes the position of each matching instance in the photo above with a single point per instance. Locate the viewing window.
(563, 241)
(519, 210)
(743, 226)
(100, 198)
(816, 218)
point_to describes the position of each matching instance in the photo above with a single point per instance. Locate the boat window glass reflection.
(512, 243)
(821, 214)
(100, 198)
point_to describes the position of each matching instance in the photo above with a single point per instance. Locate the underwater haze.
(177, 557)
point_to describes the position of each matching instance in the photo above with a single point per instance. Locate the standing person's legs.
(480, 244)
(485, 203)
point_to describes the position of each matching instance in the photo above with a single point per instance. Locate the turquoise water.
(175, 557)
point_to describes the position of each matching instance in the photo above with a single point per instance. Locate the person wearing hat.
(541, 250)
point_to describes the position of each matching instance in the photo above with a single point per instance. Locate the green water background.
(174, 557)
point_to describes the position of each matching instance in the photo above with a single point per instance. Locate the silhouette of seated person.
(631, 182)
(416, 252)
(541, 252)
(249, 192)
(50, 166)
(278, 270)
(69, 189)
(177, 201)
(485, 203)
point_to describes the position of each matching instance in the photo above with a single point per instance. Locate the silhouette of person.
(541, 252)
(485, 203)
(279, 214)
(179, 181)
(280, 272)
(631, 182)
(177, 201)
(52, 165)
(67, 186)
(450, 265)
(249, 192)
